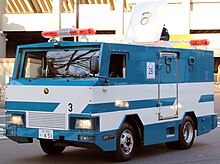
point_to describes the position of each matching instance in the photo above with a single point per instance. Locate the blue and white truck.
(111, 96)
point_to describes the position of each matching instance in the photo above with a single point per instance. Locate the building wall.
(2, 35)
(96, 16)
(182, 16)
(6, 67)
(205, 15)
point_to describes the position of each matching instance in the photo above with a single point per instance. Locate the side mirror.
(94, 65)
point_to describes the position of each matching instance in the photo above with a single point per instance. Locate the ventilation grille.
(46, 120)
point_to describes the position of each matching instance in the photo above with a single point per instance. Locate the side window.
(34, 61)
(117, 67)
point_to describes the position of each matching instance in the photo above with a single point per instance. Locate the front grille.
(46, 120)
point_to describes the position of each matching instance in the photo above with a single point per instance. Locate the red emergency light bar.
(199, 42)
(68, 32)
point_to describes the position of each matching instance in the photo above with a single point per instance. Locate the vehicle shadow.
(154, 154)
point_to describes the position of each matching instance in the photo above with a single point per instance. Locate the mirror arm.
(103, 77)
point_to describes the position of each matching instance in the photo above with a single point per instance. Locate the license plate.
(45, 134)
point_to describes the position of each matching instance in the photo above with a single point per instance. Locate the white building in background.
(22, 21)
(107, 16)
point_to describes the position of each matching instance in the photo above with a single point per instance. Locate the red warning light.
(68, 32)
(199, 42)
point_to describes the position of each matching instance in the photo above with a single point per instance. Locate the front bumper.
(82, 138)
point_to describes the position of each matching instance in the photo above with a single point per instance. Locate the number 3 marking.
(70, 105)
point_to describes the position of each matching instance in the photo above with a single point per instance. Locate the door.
(167, 85)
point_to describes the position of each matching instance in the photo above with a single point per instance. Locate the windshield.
(58, 63)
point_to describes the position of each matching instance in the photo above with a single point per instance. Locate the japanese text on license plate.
(45, 134)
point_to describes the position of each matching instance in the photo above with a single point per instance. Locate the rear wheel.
(126, 143)
(186, 135)
(49, 147)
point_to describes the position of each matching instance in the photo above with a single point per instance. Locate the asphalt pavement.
(205, 150)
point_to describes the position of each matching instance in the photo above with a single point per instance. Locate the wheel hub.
(188, 132)
(126, 142)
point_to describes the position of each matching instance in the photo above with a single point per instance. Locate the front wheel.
(186, 135)
(126, 143)
(49, 147)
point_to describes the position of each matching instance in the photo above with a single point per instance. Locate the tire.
(49, 147)
(126, 143)
(186, 135)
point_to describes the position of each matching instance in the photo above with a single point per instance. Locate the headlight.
(86, 124)
(17, 120)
